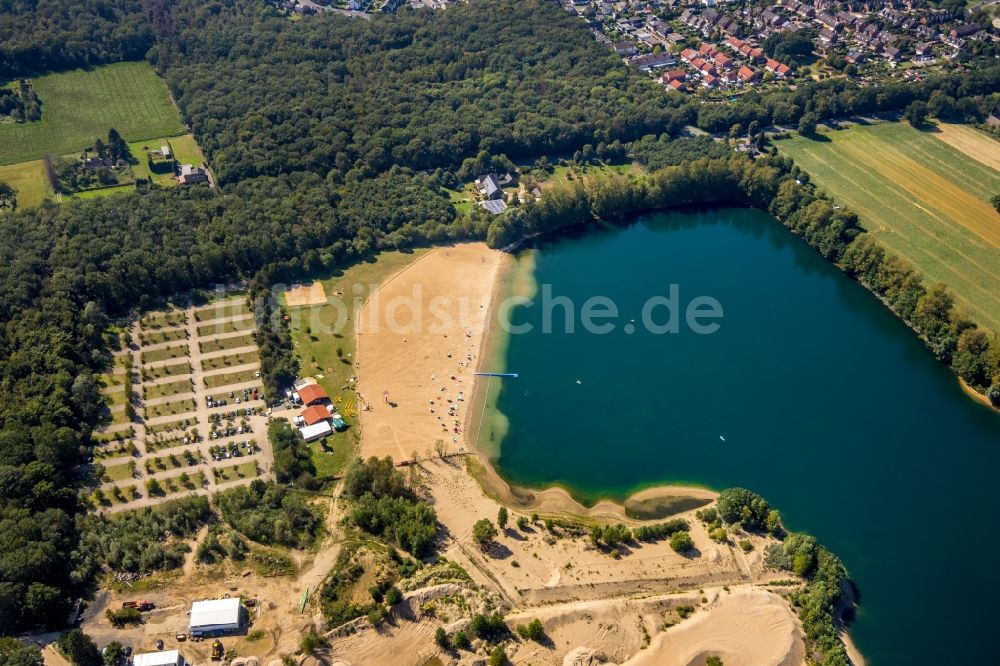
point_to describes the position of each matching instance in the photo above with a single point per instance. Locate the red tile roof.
(311, 393)
(315, 414)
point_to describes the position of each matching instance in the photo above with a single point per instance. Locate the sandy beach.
(419, 340)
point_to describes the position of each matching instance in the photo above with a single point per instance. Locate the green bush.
(739, 505)
(461, 640)
(681, 542)
(483, 532)
(123, 617)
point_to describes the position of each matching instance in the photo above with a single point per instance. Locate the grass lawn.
(227, 378)
(228, 361)
(227, 306)
(169, 370)
(119, 472)
(317, 351)
(155, 320)
(174, 484)
(181, 424)
(332, 459)
(236, 472)
(115, 450)
(165, 354)
(29, 179)
(117, 438)
(118, 417)
(114, 396)
(170, 388)
(82, 105)
(221, 344)
(154, 445)
(184, 148)
(103, 192)
(464, 199)
(224, 327)
(159, 337)
(922, 198)
(175, 407)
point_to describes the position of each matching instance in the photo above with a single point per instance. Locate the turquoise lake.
(830, 408)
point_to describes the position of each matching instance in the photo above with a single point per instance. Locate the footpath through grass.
(82, 105)
(922, 198)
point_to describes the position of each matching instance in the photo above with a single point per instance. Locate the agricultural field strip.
(971, 212)
(924, 148)
(971, 142)
(935, 251)
(868, 197)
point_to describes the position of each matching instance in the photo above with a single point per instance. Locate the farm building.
(312, 394)
(191, 174)
(495, 206)
(165, 658)
(216, 616)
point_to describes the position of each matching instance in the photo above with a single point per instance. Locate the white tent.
(166, 658)
(215, 616)
(316, 430)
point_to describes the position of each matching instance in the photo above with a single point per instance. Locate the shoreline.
(554, 499)
(463, 494)
(977, 396)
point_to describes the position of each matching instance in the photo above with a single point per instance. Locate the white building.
(216, 616)
(165, 658)
(316, 430)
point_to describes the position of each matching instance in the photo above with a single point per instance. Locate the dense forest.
(518, 77)
(349, 100)
(51, 35)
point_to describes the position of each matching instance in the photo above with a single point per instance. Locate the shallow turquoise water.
(829, 406)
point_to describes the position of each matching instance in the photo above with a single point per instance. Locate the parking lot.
(199, 422)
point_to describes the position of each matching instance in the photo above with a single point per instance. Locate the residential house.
(625, 49)
(748, 75)
(192, 174)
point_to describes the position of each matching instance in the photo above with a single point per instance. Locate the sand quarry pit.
(305, 294)
(745, 627)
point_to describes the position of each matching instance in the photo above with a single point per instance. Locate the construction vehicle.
(216, 650)
(142, 605)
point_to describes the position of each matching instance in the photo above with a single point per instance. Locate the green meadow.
(82, 105)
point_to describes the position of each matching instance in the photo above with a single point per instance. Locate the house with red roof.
(747, 75)
(312, 394)
(316, 413)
